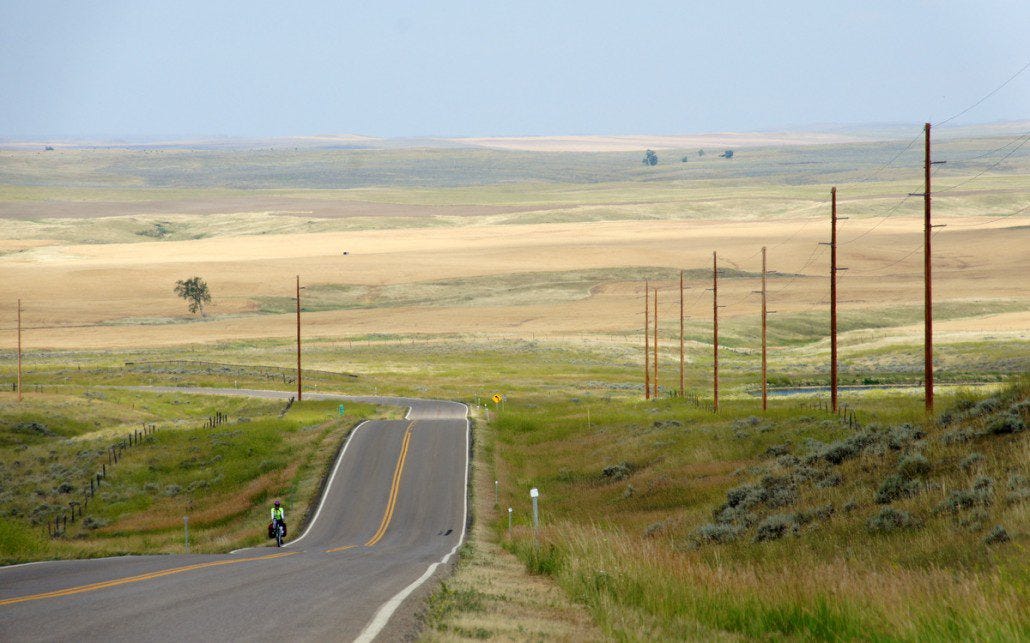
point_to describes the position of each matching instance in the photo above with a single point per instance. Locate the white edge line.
(384, 613)
(329, 485)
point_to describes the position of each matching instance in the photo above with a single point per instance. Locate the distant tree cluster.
(650, 158)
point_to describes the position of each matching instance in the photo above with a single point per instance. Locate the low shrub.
(971, 461)
(815, 514)
(831, 479)
(745, 496)
(962, 499)
(975, 521)
(779, 491)
(903, 435)
(889, 519)
(997, 536)
(778, 449)
(913, 465)
(984, 407)
(718, 533)
(788, 461)
(1006, 424)
(894, 487)
(958, 436)
(838, 452)
(775, 527)
(618, 471)
(803, 474)
(91, 522)
(1019, 489)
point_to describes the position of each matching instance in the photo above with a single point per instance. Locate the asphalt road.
(393, 512)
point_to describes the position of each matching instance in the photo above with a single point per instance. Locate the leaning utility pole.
(927, 281)
(765, 390)
(19, 350)
(715, 332)
(681, 333)
(647, 341)
(655, 383)
(298, 340)
(833, 299)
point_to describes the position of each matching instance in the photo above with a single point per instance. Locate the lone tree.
(650, 158)
(195, 292)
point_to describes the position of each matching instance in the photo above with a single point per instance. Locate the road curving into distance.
(394, 510)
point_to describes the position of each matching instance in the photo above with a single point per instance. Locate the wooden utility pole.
(655, 382)
(647, 340)
(19, 350)
(765, 390)
(927, 281)
(681, 333)
(298, 340)
(833, 299)
(715, 332)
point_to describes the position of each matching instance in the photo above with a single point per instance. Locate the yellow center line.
(394, 488)
(344, 548)
(135, 579)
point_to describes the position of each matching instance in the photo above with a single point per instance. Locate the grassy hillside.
(223, 477)
(670, 523)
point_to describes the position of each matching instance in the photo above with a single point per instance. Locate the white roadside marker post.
(534, 493)
(497, 484)
(509, 521)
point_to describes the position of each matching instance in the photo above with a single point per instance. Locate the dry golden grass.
(104, 296)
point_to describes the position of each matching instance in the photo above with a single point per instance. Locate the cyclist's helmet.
(276, 503)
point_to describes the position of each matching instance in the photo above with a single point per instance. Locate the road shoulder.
(490, 595)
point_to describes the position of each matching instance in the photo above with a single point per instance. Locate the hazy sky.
(382, 68)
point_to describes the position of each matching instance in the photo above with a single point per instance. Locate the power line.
(797, 273)
(876, 225)
(989, 94)
(988, 168)
(895, 262)
(895, 157)
(997, 149)
(1000, 218)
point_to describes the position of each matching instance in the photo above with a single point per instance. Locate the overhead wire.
(988, 95)
(997, 149)
(988, 168)
(996, 219)
(798, 271)
(871, 272)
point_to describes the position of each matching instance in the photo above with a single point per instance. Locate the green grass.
(624, 542)
(223, 477)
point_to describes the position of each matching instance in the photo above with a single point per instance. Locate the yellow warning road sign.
(498, 398)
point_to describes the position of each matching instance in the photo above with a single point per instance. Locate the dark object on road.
(728, 154)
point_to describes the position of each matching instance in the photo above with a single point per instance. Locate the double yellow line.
(394, 488)
(135, 579)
